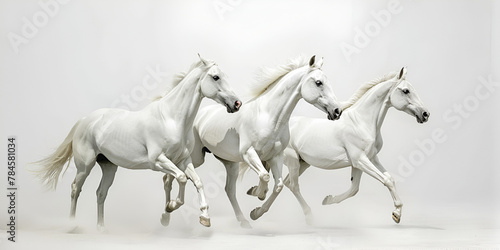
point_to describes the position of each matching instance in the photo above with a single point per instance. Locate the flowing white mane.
(268, 76)
(177, 78)
(365, 87)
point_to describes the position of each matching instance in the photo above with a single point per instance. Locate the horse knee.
(182, 178)
(264, 177)
(198, 184)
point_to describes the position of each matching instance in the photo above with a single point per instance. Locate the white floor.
(350, 228)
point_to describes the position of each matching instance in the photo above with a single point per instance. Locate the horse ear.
(319, 63)
(311, 61)
(402, 73)
(203, 60)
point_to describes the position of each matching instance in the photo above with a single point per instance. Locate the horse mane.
(177, 78)
(267, 77)
(366, 87)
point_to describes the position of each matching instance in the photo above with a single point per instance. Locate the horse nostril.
(337, 111)
(237, 104)
(425, 114)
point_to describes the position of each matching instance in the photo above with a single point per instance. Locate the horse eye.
(406, 91)
(215, 77)
(319, 83)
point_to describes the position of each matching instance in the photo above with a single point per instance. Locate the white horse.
(158, 137)
(354, 140)
(258, 133)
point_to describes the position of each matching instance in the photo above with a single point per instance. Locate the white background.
(92, 54)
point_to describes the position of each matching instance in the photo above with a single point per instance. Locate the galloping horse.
(258, 133)
(158, 137)
(354, 140)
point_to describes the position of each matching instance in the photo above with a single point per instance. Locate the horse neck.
(183, 101)
(280, 100)
(372, 107)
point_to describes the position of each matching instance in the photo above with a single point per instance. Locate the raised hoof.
(205, 221)
(254, 215)
(328, 200)
(252, 191)
(396, 217)
(165, 219)
(245, 224)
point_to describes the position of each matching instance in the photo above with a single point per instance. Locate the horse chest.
(173, 141)
(271, 146)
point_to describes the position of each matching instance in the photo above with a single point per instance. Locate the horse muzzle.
(423, 117)
(233, 107)
(335, 115)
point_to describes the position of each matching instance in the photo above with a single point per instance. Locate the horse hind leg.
(108, 175)
(292, 182)
(232, 170)
(83, 169)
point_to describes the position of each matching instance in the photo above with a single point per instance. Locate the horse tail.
(53, 165)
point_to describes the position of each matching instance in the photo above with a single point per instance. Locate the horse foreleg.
(396, 214)
(108, 175)
(353, 190)
(366, 165)
(167, 186)
(252, 159)
(166, 166)
(193, 176)
(276, 168)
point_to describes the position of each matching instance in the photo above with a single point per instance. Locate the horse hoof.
(255, 214)
(328, 200)
(101, 229)
(310, 220)
(165, 219)
(396, 216)
(251, 191)
(245, 224)
(205, 221)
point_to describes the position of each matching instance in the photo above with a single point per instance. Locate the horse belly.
(119, 139)
(227, 149)
(127, 156)
(325, 158)
(223, 141)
